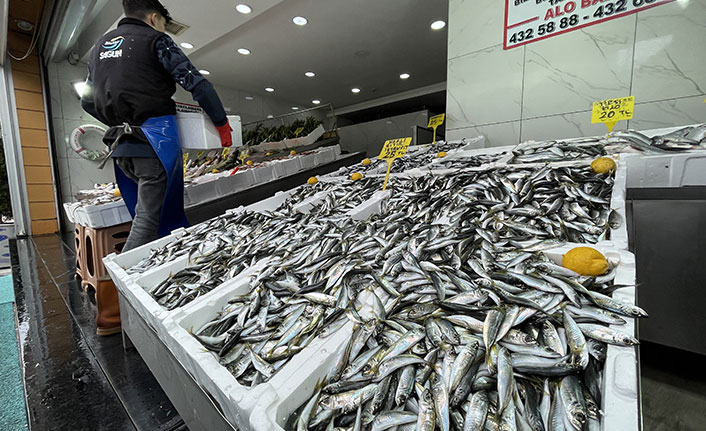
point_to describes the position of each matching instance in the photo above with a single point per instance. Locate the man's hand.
(225, 132)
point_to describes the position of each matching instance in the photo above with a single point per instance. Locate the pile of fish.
(556, 151)
(221, 250)
(688, 138)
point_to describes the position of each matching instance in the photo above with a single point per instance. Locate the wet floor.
(74, 379)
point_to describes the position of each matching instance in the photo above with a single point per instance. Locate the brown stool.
(80, 254)
(99, 243)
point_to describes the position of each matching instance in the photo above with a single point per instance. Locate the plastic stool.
(80, 253)
(99, 243)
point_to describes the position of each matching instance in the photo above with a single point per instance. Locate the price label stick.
(611, 111)
(298, 131)
(391, 151)
(243, 156)
(225, 153)
(435, 122)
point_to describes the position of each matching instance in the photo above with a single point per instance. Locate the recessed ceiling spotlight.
(243, 8)
(316, 102)
(186, 45)
(204, 72)
(404, 76)
(24, 25)
(243, 51)
(270, 116)
(295, 108)
(355, 90)
(300, 20)
(438, 25)
(79, 87)
(269, 89)
(249, 98)
(310, 74)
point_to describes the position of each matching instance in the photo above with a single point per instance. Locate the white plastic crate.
(197, 132)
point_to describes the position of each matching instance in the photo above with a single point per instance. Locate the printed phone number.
(567, 16)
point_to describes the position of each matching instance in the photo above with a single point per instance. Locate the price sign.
(391, 151)
(298, 131)
(243, 156)
(435, 122)
(528, 21)
(613, 110)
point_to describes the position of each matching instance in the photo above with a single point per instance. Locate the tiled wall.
(371, 136)
(545, 89)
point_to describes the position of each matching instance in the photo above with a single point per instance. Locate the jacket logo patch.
(114, 44)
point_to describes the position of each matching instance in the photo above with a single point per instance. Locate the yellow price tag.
(391, 151)
(436, 121)
(243, 156)
(298, 131)
(186, 157)
(613, 110)
(200, 154)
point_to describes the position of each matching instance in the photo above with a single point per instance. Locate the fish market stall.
(448, 299)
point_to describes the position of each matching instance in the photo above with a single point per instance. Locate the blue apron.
(163, 134)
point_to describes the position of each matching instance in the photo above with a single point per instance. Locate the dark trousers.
(151, 179)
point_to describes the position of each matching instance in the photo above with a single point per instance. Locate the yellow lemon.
(249, 163)
(313, 180)
(603, 165)
(586, 261)
(268, 154)
(357, 176)
(442, 154)
(116, 192)
(215, 171)
(292, 153)
(366, 162)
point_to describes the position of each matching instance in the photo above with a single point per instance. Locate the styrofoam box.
(286, 167)
(678, 170)
(306, 161)
(104, 215)
(241, 180)
(620, 385)
(70, 210)
(325, 155)
(305, 140)
(263, 174)
(204, 192)
(197, 132)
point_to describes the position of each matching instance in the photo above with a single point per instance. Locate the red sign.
(528, 21)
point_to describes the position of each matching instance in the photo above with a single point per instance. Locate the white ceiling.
(347, 43)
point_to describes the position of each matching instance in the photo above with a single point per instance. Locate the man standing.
(133, 72)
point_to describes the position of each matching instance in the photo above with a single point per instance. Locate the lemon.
(313, 180)
(116, 192)
(603, 165)
(249, 163)
(268, 154)
(441, 154)
(215, 171)
(585, 261)
(292, 153)
(357, 176)
(366, 162)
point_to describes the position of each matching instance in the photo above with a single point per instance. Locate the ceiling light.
(244, 51)
(243, 8)
(300, 20)
(186, 45)
(316, 102)
(79, 87)
(204, 72)
(249, 98)
(295, 108)
(270, 116)
(404, 76)
(24, 25)
(355, 90)
(270, 89)
(310, 74)
(438, 25)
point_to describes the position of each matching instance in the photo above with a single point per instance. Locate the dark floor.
(73, 379)
(76, 381)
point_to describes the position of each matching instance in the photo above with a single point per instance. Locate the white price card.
(528, 21)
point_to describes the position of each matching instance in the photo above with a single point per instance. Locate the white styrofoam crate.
(374, 205)
(204, 192)
(239, 181)
(70, 210)
(681, 169)
(305, 140)
(286, 167)
(197, 132)
(306, 161)
(104, 215)
(263, 174)
(325, 155)
(620, 405)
